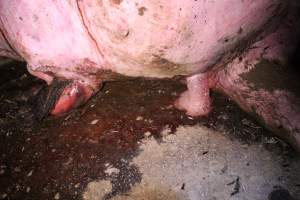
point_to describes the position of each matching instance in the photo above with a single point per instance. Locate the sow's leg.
(260, 81)
(196, 100)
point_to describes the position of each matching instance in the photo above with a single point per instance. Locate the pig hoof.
(196, 100)
(61, 97)
(72, 96)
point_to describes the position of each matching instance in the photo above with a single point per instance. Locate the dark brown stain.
(142, 11)
(271, 75)
(118, 2)
(159, 61)
(108, 75)
(165, 66)
(240, 30)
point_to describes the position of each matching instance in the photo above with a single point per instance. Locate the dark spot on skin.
(183, 186)
(21, 18)
(240, 30)
(126, 34)
(35, 18)
(118, 2)
(225, 40)
(142, 11)
(271, 75)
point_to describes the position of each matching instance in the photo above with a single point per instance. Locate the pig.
(77, 45)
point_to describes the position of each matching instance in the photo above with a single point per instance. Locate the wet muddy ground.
(56, 158)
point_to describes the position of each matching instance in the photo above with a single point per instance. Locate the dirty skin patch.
(102, 140)
(118, 2)
(271, 75)
(164, 67)
(142, 11)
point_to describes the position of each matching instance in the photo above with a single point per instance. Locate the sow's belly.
(164, 38)
(150, 38)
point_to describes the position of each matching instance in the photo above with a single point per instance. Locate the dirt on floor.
(60, 158)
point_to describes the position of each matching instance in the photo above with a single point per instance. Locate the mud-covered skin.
(262, 82)
(272, 75)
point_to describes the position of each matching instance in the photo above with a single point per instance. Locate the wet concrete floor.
(57, 158)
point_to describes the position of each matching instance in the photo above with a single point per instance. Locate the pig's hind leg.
(62, 96)
(196, 100)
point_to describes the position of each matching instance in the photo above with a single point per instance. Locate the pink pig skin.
(151, 38)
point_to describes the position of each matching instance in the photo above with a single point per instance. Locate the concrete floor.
(129, 142)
